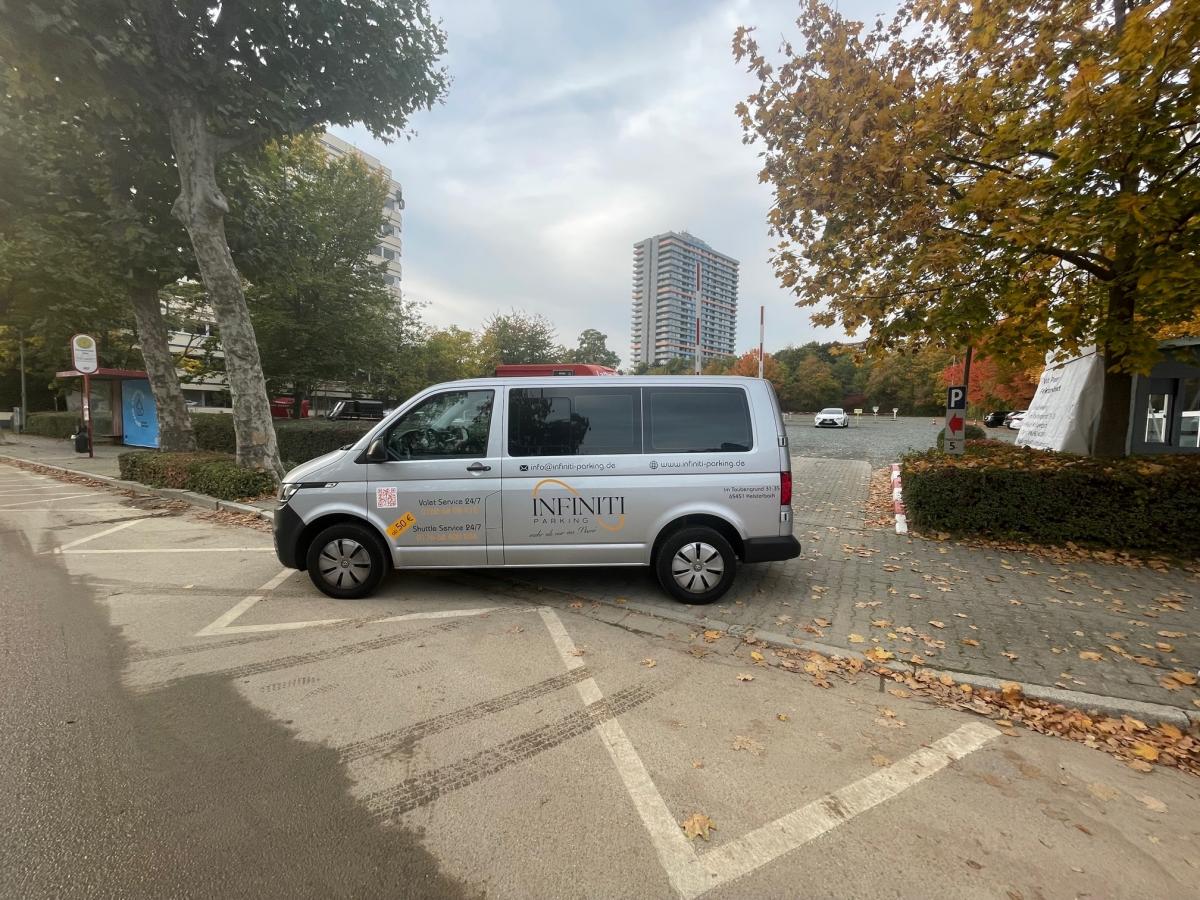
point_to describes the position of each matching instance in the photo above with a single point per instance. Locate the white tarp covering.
(1066, 407)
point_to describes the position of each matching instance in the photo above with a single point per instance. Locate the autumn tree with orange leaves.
(1018, 176)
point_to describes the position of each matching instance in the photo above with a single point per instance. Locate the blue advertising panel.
(139, 414)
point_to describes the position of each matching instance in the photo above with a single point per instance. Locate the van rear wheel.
(346, 561)
(696, 565)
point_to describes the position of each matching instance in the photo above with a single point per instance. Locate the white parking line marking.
(759, 847)
(179, 550)
(105, 533)
(33, 489)
(674, 852)
(692, 873)
(67, 509)
(441, 614)
(224, 623)
(47, 500)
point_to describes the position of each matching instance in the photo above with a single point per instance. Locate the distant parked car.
(356, 409)
(832, 417)
(1014, 423)
(1008, 419)
(996, 419)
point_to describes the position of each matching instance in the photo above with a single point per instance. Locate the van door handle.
(478, 467)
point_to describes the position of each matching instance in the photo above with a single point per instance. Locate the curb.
(1113, 706)
(200, 500)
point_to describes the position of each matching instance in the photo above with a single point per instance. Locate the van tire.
(347, 561)
(685, 549)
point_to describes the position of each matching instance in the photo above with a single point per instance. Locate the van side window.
(445, 426)
(697, 420)
(566, 421)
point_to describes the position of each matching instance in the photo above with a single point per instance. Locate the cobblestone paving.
(1000, 614)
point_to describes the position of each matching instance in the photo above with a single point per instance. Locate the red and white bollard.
(898, 501)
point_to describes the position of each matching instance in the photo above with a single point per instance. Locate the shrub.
(303, 439)
(1000, 491)
(53, 424)
(214, 431)
(970, 433)
(215, 474)
(299, 439)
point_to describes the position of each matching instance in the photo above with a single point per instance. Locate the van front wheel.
(346, 561)
(696, 565)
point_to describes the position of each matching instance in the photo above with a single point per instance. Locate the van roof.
(606, 382)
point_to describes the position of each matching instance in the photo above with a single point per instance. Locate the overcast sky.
(572, 130)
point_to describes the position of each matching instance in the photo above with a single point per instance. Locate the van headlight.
(286, 491)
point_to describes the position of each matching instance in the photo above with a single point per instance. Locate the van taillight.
(785, 488)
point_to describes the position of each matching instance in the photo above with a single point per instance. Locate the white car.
(1014, 423)
(832, 417)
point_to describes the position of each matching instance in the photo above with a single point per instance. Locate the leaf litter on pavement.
(1139, 744)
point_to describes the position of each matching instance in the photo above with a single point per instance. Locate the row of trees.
(815, 375)
(1016, 176)
(143, 106)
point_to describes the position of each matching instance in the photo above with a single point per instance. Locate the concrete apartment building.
(665, 292)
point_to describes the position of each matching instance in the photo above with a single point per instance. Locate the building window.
(1158, 411)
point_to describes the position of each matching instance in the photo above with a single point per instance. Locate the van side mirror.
(376, 451)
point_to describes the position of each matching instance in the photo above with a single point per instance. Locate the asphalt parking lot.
(186, 718)
(878, 440)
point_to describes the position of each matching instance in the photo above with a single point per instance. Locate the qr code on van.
(385, 498)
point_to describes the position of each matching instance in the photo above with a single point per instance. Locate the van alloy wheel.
(344, 563)
(347, 560)
(697, 567)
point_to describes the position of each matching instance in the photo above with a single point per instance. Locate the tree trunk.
(174, 422)
(202, 207)
(1113, 428)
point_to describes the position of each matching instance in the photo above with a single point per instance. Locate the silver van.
(689, 475)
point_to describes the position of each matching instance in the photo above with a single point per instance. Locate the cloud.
(570, 132)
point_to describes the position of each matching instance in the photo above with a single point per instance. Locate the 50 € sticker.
(401, 525)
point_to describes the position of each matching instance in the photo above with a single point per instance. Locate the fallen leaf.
(1184, 677)
(1009, 655)
(885, 722)
(1010, 690)
(822, 623)
(1145, 751)
(899, 692)
(749, 744)
(698, 825)
(744, 676)
(1140, 765)
(971, 642)
(577, 605)
(880, 760)
(1091, 655)
(649, 663)
(1169, 682)
(879, 654)
(947, 680)
(697, 764)
(1164, 647)
(783, 717)
(710, 636)
(1152, 803)
(756, 656)
(622, 600)
(1170, 731)
(857, 639)
(1103, 791)
(1172, 634)
(937, 624)
(1133, 724)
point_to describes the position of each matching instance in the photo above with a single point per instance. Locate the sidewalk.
(1086, 626)
(60, 452)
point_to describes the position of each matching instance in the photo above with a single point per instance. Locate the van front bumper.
(287, 530)
(769, 549)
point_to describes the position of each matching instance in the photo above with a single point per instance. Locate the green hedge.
(53, 424)
(215, 474)
(1000, 491)
(299, 439)
(971, 433)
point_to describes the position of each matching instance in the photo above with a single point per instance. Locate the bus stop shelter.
(123, 410)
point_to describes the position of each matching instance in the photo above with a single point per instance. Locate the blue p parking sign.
(956, 397)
